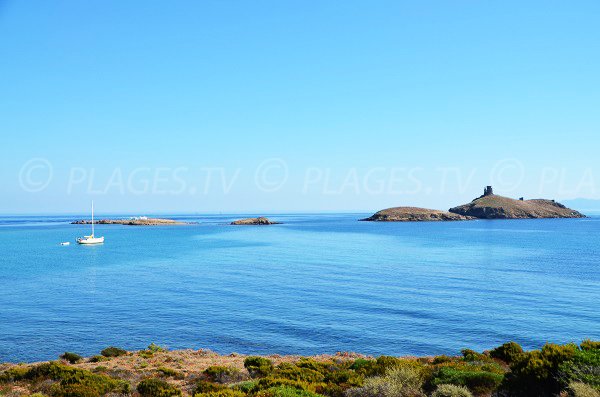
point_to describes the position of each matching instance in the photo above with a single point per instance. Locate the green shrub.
(246, 387)
(291, 371)
(14, 374)
(359, 364)
(403, 380)
(72, 358)
(154, 348)
(221, 374)
(286, 391)
(112, 351)
(472, 355)
(221, 393)
(451, 391)
(536, 373)
(507, 352)
(477, 380)
(442, 359)
(344, 377)
(583, 367)
(170, 372)
(154, 387)
(258, 366)
(590, 345)
(98, 358)
(378, 367)
(322, 367)
(74, 390)
(70, 378)
(205, 387)
(577, 389)
(269, 382)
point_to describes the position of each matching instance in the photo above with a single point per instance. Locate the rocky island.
(139, 221)
(261, 220)
(414, 214)
(492, 206)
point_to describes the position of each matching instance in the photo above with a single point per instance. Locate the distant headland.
(487, 206)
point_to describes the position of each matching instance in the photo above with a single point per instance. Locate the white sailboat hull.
(90, 240)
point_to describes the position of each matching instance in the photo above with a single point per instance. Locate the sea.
(315, 284)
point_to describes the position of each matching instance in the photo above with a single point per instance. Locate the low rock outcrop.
(131, 222)
(261, 220)
(414, 214)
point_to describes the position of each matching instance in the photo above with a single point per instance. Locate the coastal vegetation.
(554, 370)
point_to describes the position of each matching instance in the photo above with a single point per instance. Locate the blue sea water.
(319, 283)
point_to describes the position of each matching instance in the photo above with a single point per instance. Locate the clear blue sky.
(347, 96)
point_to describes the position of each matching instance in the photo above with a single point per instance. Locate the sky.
(295, 106)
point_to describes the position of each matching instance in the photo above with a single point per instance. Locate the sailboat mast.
(92, 217)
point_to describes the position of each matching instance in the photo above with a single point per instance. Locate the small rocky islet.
(261, 220)
(143, 221)
(487, 206)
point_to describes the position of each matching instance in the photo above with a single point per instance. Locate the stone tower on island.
(488, 191)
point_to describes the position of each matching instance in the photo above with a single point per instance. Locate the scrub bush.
(221, 393)
(583, 367)
(590, 345)
(112, 351)
(258, 366)
(205, 387)
(536, 373)
(70, 379)
(293, 372)
(154, 387)
(577, 389)
(472, 355)
(170, 372)
(405, 381)
(285, 391)
(221, 374)
(507, 352)
(451, 391)
(476, 379)
(72, 358)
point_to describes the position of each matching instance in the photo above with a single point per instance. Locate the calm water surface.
(316, 284)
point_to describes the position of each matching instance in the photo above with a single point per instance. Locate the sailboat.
(91, 239)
